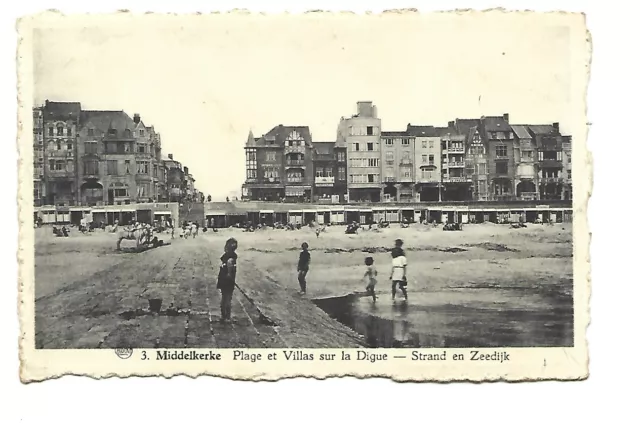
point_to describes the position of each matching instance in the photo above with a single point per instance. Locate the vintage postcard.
(258, 196)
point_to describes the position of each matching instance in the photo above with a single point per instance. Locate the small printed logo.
(124, 353)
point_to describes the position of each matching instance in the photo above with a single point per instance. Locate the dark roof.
(402, 133)
(324, 147)
(105, 120)
(521, 131)
(280, 133)
(61, 110)
(421, 130)
(496, 124)
(464, 125)
(543, 129)
(441, 131)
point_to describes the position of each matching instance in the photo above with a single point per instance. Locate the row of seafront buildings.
(86, 158)
(483, 159)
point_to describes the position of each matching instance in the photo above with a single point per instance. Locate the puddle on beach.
(460, 318)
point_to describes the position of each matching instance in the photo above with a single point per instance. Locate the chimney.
(505, 117)
(186, 170)
(556, 127)
(452, 124)
(170, 156)
(136, 118)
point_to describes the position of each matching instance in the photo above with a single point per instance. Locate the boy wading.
(398, 270)
(227, 278)
(303, 267)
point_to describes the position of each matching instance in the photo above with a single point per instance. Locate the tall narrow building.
(361, 136)
(398, 167)
(427, 163)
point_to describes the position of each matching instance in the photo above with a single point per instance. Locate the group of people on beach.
(228, 266)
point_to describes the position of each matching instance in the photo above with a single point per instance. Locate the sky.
(205, 81)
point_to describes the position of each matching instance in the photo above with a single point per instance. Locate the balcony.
(295, 180)
(406, 179)
(446, 179)
(91, 176)
(143, 177)
(548, 163)
(551, 180)
(325, 181)
(61, 174)
(295, 162)
(455, 164)
(143, 156)
(456, 150)
(68, 154)
(528, 196)
(298, 149)
(390, 179)
(406, 162)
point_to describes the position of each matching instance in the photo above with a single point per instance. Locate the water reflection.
(490, 317)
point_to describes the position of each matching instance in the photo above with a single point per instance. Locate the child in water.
(303, 267)
(370, 276)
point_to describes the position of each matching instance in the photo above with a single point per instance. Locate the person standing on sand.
(398, 270)
(227, 278)
(303, 267)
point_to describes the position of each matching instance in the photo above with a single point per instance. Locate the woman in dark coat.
(227, 278)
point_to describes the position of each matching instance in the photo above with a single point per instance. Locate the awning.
(267, 211)
(392, 209)
(294, 211)
(407, 209)
(215, 213)
(309, 211)
(366, 210)
(162, 212)
(98, 210)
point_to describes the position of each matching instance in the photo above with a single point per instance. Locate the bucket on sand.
(155, 305)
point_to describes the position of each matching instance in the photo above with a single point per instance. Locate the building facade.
(500, 160)
(95, 158)
(525, 159)
(325, 171)
(548, 141)
(279, 165)
(427, 163)
(361, 137)
(568, 184)
(456, 185)
(39, 191)
(398, 168)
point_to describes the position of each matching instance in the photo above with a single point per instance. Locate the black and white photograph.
(401, 182)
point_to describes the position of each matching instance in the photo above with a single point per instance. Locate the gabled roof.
(543, 129)
(421, 130)
(495, 124)
(521, 131)
(61, 110)
(442, 131)
(464, 125)
(280, 133)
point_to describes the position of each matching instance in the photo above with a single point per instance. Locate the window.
(252, 173)
(112, 167)
(502, 168)
(371, 178)
(405, 155)
(427, 174)
(91, 147)
(90, 132)
(424, 144)
(540, 155)
(388, 141)
(121, 193)
(389, 155)
(369, 146)
(141, 148)
(482, 187)
(141, 132)
(69, 146)
(569, 174)
(369, 130)
(501, 151)
(527, 156)
(58, 146)
(494, 135)
(342, 156)
(569, 158)
(319, 172)
(91, 167)
(271, 156)
(60, 131)
(406, 173)
(374, 163)
(60, 165)
(559, 156)
(155, 171)
(482, 168)
(112, 132)
(431, 159)
(127, 167)
(405, 142)
(424, 158)
(271, 172)
(50, 131)
(355, 146)
(342, 173)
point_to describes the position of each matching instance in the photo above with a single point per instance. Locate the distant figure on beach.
(303, 267)
(227, 278)
(398, 270)
(370, 276)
